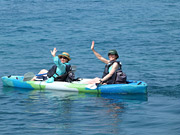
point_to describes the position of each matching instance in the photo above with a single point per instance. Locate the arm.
(115, 66)
(56, 59)
(53, 53)
(98, 55)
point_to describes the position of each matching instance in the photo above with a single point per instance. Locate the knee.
(43, 71)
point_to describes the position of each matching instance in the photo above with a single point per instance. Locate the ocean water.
(146, 35)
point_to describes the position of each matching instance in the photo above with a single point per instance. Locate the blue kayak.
(132, 87)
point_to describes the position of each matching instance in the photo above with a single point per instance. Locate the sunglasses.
(63, 57)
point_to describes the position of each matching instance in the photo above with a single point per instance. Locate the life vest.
(118, 76)
(68, 76)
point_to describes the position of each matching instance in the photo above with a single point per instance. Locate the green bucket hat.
(113, 52)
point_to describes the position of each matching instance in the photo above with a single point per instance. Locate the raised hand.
(53, 53)
(92, 46)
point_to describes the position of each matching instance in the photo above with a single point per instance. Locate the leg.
(93, 81)
(41, 72)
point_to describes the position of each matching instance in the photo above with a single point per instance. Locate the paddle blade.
(73, 68)
(28, 76)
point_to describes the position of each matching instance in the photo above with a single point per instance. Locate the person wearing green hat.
(59, 69)
(112, 65)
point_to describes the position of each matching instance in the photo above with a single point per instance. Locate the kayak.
(131, 87)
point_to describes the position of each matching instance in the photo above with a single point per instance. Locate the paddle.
(41, 74)
(73, 68)
(93, 86)
(28, 76)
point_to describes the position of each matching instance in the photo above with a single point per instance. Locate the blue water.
(146, 35)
